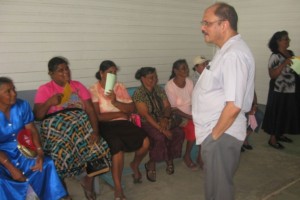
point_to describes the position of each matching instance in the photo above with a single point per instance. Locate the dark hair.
(273, 45)
(176, 65)
(55, 61)
(144, 71)
(103, 67)
(226, 12)
(5, 80)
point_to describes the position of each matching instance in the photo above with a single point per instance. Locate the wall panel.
(132, 33)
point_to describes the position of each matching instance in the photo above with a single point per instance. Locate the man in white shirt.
(221, 97)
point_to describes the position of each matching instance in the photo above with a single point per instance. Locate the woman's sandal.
(89, 195)
(170, 169)
(151, 174)
(137, 180)
(191, 165)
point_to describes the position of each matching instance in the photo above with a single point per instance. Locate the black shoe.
(284, 139)
(242, 149)
(277, 145)
(247, 146)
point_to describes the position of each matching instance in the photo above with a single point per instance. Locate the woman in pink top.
(179, 91)
(113, 111)
(69, 127)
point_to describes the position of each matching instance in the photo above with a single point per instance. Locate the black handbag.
(96, 167)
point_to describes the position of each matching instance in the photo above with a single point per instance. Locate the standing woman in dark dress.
(282, 110)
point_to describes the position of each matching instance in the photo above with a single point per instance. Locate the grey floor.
(264, 173)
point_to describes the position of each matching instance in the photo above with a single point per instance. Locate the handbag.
(177, 121)
(25, 144)
(100, 165)
(96, 167)
(135, 119)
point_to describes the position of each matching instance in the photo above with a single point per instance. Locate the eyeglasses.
(207, 24)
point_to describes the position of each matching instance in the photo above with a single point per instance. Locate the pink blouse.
(180, 98)
(97, 93)
(79, 94)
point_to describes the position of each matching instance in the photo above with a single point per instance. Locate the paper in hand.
(296, 64)
(252, 122)
(66, 93)
(110, 82)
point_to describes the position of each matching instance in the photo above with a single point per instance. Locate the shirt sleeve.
(235, 79)
(27, 114)
(122, 93)
(94, 93)
(42, 94)
(171, 94)
(139, 96)
(83, 92)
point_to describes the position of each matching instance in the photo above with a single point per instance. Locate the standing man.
(221, 97)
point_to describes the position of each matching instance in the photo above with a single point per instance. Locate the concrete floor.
(264, 173)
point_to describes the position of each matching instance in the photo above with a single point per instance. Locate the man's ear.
(225, 24)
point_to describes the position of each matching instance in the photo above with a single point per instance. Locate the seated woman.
(69, 126)
(154, 108)
(179, 91)
(17, 172)
(113, 110)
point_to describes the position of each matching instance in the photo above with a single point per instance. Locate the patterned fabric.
(285, 82)
(162, 149)
(154, 100)
(65, 137)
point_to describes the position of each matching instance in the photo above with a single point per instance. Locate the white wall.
(132, 33)
(258, 21)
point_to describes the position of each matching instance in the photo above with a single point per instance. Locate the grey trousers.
(221, 158)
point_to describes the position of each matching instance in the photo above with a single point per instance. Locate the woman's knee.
(146, 143)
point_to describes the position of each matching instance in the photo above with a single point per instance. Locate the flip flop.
(170, 169)
(90, 195)
(151, 174)
(191, 165)
(137, 180)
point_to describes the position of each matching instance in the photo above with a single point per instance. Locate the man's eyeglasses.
(207, 24)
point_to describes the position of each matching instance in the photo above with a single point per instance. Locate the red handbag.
(25, 144)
